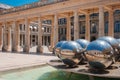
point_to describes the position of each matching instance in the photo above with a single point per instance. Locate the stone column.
(68, 29)
(4, 37)
(27, 36)
(55, 29)
(52, 34)
(17, 37)
(1, 37)
(101, 22)
(9, 39)
(87, 27)
(76, 25)
(111, 24)
(14, 36)
(40, 33)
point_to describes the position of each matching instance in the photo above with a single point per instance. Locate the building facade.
(50, 21)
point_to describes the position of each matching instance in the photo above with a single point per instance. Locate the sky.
(16, 3)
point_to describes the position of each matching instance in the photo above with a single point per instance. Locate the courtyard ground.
(10, 60)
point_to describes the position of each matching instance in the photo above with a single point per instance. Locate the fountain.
(102, 55)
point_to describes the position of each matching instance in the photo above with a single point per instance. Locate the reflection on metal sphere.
(99, 54)
(83, 42)
(118, 45)
(56, 49)
(112, 41)
(70, 53)
(118, 40)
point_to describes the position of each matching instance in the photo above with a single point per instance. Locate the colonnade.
(5, 29)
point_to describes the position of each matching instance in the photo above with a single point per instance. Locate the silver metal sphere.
(99, 54)
(118, 45)
(56, 49)
(70, 53)
(112, 41)
(83, 43)
(118, 40)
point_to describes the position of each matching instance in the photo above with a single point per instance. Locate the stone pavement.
(10, 60)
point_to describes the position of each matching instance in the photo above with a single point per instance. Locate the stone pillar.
(4, 37)
(17, 45)
(27, 36)
(101, 22)
(111, 24)
(1, 37)
(40, 33)
(16, 37)
(76, 25)
(9, 39)
(52, 34)
(87, 27)
(68, 29)
(55, 29)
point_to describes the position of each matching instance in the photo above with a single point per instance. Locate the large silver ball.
(69, 53)
(57, 47)
(118, 40)
(83, 42)
(118, 45)
(99, 54)
(112, 41)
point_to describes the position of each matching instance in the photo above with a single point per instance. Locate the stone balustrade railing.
(29, 6)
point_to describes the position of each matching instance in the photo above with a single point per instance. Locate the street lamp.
(33, 28)
(72, 27)
(30, 27)
(42, 29)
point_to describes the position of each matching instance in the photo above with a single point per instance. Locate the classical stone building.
(49, 21)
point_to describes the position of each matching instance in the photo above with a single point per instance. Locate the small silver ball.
(99, 54)
(69, 53)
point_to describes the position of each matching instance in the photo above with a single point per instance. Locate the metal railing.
(29, 6)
